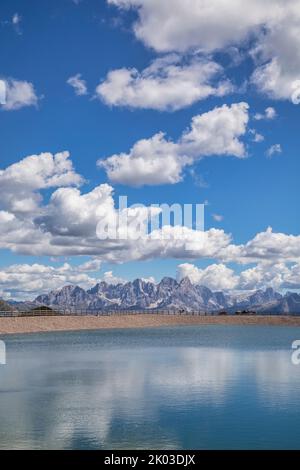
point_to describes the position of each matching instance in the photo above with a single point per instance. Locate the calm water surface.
(208, 387)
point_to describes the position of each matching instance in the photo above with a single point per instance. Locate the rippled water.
(208, 387)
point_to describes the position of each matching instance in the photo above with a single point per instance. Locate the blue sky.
(44, 44)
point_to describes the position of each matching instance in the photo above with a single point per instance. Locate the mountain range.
(168, 294)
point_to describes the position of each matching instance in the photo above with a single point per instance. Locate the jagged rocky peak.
(262, 296)
(205, 290)
(100, 287)
(169, 294)
(272, 294)
(139, 285)
(186, 283)
(168, 282)
(68, 295)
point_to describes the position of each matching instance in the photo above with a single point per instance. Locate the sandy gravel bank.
(43, 324)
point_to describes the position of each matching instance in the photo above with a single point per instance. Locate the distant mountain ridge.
(5, 306)
(168, 294)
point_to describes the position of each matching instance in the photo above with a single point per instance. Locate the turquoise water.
(208, 387)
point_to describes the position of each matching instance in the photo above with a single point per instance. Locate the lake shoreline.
(22, 325)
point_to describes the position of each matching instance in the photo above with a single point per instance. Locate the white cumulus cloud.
(27, 281)
(157, 160)
(268, 30)
(168, 83)
(215, 277)
(278, 275)
(19, 94)
(67, 223)
(21, 182)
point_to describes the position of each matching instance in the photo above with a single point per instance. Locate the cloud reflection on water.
(129, 397)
